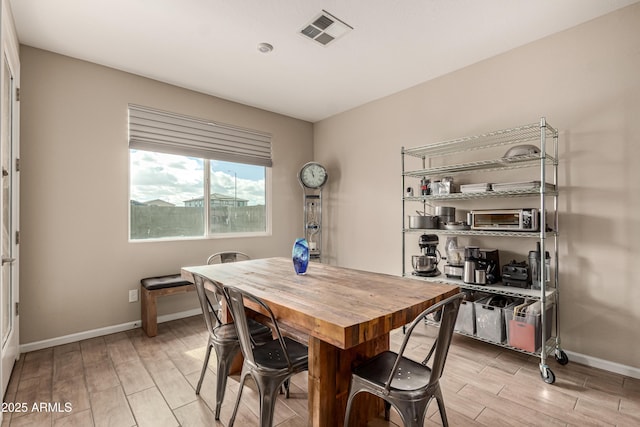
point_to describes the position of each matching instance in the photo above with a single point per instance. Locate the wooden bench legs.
(149, 306)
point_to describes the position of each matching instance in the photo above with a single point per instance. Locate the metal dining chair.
(404, 383)
(227, 256)
(222, 337)
(235, 256)
(269, 364)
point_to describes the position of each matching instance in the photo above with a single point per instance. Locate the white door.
(9, 151)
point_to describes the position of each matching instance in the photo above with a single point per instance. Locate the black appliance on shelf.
(516, 274)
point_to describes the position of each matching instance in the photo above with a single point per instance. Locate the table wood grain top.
(341, 306)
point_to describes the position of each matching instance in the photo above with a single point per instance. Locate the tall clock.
(313, 176)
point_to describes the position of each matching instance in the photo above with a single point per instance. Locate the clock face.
(313, 175)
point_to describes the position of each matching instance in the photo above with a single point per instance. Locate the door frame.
(9, 350)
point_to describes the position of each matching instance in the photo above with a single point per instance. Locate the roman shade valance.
(161, 131)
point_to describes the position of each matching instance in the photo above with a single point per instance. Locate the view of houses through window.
(167, 194)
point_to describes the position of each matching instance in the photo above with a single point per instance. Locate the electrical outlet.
(133, 295)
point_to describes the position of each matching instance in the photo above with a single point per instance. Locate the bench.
(153, 287)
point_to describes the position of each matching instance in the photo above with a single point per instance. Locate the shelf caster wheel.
(561, 357)
(547, 375)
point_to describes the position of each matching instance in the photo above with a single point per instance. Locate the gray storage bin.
(466, 320)
(490, 320)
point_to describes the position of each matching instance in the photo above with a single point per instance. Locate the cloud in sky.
(175, 179)
(225, 182)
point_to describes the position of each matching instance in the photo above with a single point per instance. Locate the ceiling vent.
(325, 28)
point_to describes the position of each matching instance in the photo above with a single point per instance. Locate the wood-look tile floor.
(128, 379)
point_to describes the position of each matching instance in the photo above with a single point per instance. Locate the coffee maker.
(427, 263)
(481, 266)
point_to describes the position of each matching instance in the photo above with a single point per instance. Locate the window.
(175, 161)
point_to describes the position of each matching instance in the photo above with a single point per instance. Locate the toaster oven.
(504, 219)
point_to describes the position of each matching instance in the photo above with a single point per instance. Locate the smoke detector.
(325, 28)
(265, 47)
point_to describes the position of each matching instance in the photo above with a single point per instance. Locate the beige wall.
(76, 262)
(586, 81)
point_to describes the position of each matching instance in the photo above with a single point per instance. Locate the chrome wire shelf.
(510, 291)
(521, 134)
(534, 192)
(523, 234)
(524, 161)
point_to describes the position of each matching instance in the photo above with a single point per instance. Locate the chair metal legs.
(225, 353)
(412, 413)
(235, 408)
(437, 393)
(204, 368)
(268, 389)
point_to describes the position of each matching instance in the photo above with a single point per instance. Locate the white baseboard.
(66, 339)
(605, 365)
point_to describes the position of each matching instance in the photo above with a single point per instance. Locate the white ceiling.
(211, 45)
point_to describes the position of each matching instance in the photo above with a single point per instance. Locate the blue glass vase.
(300, 255)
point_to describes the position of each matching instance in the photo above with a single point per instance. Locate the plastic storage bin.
(524, 332)
(490, 322)
(466, 320)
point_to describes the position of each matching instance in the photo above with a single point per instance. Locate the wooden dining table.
(345, 314)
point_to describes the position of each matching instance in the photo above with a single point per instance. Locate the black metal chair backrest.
(209, 310)
(227, 256)
(440, 348)
(236, 299)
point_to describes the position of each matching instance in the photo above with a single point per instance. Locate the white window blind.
(161, 131)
